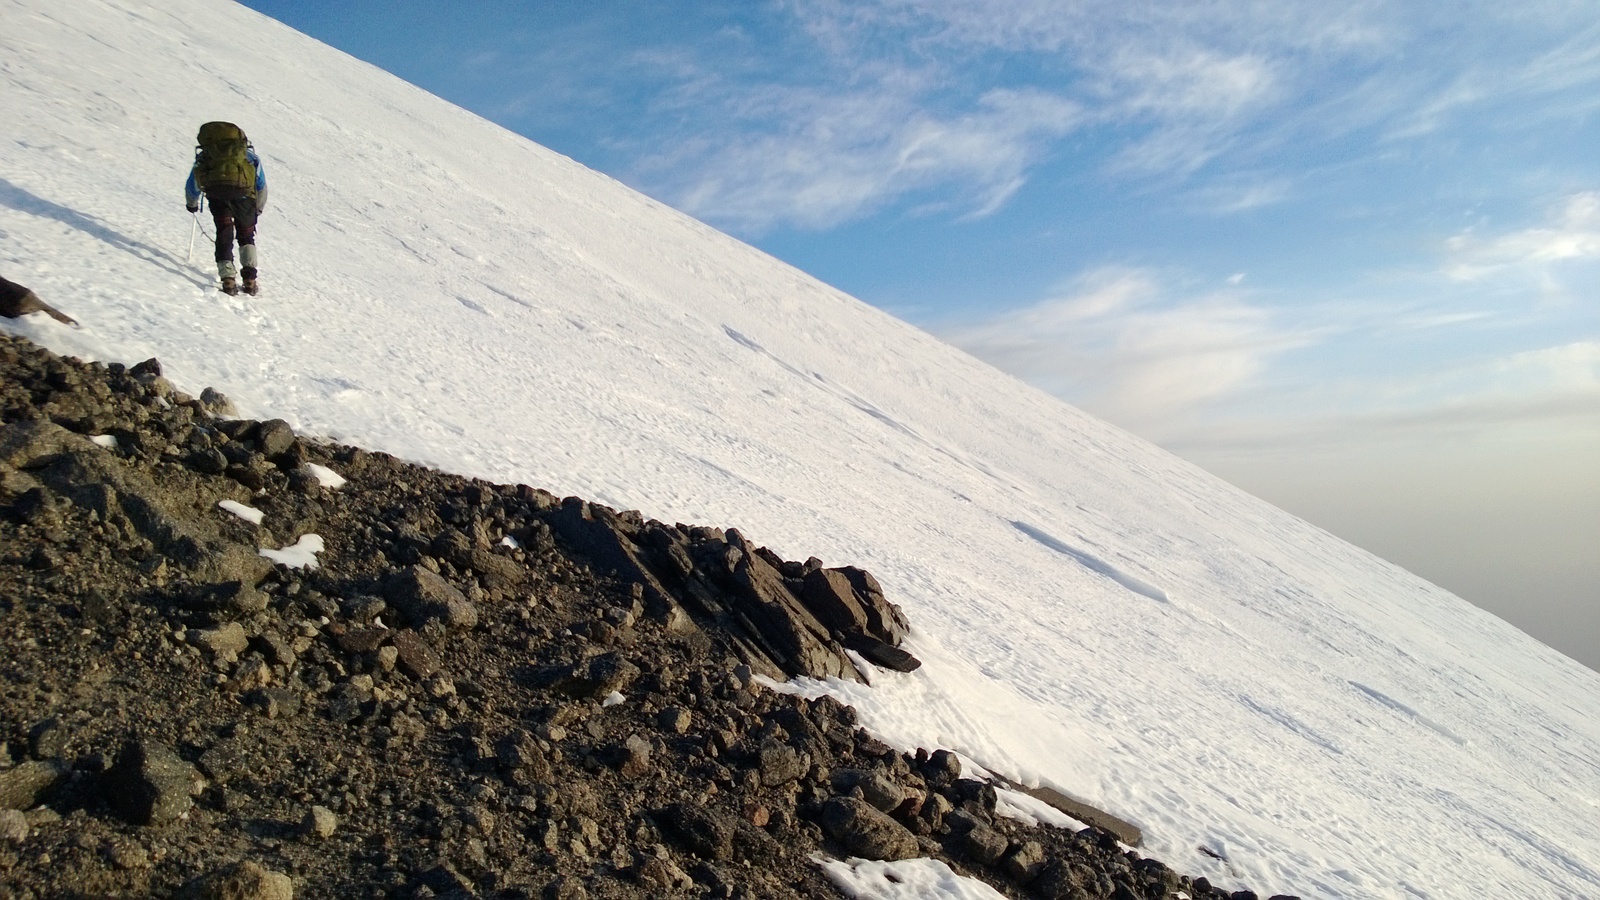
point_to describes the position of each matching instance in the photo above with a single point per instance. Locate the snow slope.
(1094, 613)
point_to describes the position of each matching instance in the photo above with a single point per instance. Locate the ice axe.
(194, 228)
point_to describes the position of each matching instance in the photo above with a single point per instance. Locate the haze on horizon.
(1347, 258)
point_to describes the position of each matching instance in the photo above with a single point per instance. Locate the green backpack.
(221, 158)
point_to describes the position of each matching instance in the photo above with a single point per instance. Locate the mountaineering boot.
(229, 276)
(247, 259)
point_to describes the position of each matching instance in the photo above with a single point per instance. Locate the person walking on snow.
(229, 173)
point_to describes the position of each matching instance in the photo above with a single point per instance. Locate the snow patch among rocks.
(301, 555)
(248, 513)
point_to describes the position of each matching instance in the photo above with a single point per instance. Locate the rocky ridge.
(441, 686)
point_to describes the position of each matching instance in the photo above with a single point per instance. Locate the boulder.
(866, 832)
(150, 784)
(422, 595)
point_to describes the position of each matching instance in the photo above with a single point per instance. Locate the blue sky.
(1345, 255)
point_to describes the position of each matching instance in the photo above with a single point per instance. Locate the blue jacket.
(191, 191)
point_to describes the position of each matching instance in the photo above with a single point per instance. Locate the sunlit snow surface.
(1093, 612)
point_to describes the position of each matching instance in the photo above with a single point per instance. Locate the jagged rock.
(866, 832)
(881, 654)
(662, 874)
(250, 674)
(217, 403)
(780, 623)
(421, 596)
(24, 785)
(885, 620)
(150, 784)
(242, 881)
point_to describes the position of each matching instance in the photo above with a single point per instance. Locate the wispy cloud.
(1121, 343)
(1573, 234)
(812, 113)
(831, 158)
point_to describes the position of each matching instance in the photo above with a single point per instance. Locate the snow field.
(1093, 613)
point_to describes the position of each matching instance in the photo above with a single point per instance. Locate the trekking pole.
(194, 228)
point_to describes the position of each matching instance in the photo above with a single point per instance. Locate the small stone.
(244, 881)
(363, 607)
(386, 658)
(413, 654)
(675, 719)
(275, 648)
(598, 676)
(636, 757)
(250, 675)
(705, 831)
(217, 403)
(48, 739)
(25, 785)
(128, 856)
(781, 763)
(13, 826)
(363, 638)
(225, 642)
(319, 822)
(236, 598)
(276, 702)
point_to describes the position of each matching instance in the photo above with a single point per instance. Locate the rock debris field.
(431, 686)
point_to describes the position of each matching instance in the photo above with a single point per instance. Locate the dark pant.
(234, 211)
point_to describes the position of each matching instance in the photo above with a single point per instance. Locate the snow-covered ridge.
(1092, 611)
